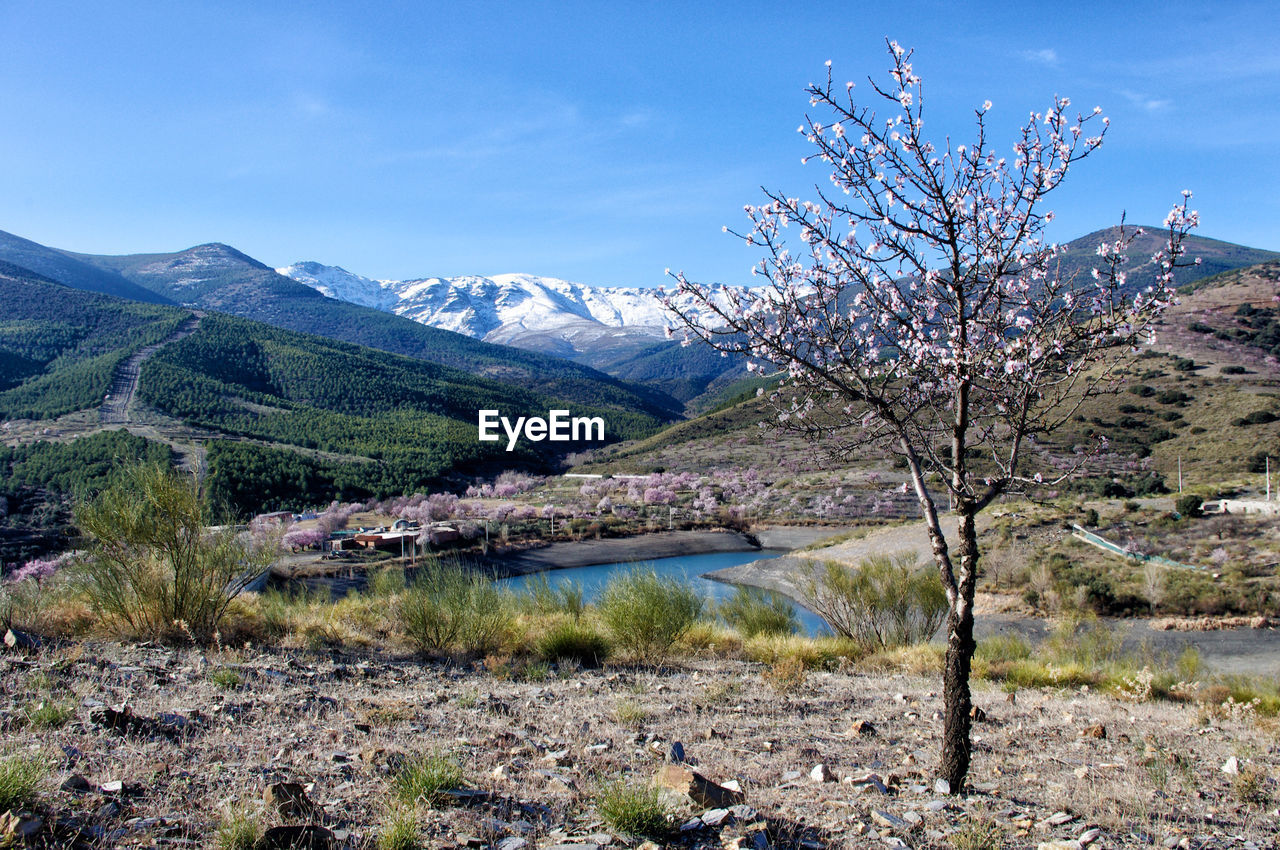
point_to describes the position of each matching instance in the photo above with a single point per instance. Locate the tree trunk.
(957, 704)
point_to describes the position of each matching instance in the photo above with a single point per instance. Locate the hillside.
(217, 277)
(59, 347)
(63, 268)
(285, 417)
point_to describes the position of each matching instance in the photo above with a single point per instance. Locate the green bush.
(158, 564)
(574, 641)
(451, 608)
(647, 613)
(540, 597)
(19, 778)
(1188, 505)
(882, 602)
(753, 611)
(425, 779)
(634, 809)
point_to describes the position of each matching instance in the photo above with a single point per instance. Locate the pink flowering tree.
(916, 304)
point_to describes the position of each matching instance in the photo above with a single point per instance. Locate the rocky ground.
(160, 743)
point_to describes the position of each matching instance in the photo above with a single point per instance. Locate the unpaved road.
(116, 408)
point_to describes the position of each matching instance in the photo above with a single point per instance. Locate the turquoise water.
(690, 567)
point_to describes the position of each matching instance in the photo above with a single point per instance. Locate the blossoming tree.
(916, 304)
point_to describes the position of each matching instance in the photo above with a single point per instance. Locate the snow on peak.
(502, 307)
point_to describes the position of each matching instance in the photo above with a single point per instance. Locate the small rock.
(821, 773)
(1057, 845)
(913, 818)
(1097, 730)
(1081, 772)
(935, 805)
(1089, 836)
(791, 776)
(513, 842)
(692, 825)
(115, 786)
(559, 758)
(863, 729)
(977, 715)
(1059, 819)
(1231, 766)
(76, 784)
(19, 826)
(941, 786)
(697, 787)
(289, 801)
(298, 837)
(676, 754)
(887, 819)
(21, 641)
(715, 817)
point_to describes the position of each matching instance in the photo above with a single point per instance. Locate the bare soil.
(535, 753)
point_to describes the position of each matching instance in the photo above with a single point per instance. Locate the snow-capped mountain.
(540, 313)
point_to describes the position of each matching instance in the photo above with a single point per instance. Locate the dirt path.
(117, 408)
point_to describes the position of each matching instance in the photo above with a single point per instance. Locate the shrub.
(156, 565)
(634, 809)
(19, 778)
(754, 611)
(449, 607)
(647, 613)
(882, 602)
(1188, 505)
(541, 597)
(1234, 370)
(574, 641)
(425, 778)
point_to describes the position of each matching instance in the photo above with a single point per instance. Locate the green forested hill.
(60, 346)
(218, 277)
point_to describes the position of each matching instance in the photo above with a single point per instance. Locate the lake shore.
(647, 547)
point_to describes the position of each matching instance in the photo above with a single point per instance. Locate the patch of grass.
(46, 714)
(978, 834)
(20, 778)
(814, 653)
(786, 675)
(239, 829)
(224, 678)
(400, 829)
(1249, 786)
(576, 641)
(634, 809)
(629, 713)
(921, 659)
(425, 778)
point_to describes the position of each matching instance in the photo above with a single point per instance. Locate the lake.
(690, 567)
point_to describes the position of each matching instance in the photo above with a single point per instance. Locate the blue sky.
(599, 142)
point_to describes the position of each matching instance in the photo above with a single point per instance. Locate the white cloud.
(1142, 101)
(1046, 56)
